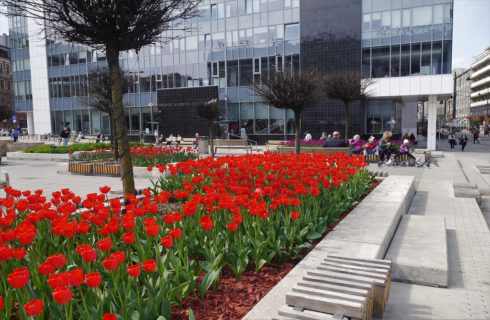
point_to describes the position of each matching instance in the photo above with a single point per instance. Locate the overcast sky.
(471, 30)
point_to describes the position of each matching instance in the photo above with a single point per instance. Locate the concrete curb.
(38, 156)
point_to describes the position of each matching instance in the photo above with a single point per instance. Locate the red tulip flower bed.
(64, 257)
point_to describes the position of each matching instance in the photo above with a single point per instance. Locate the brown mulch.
(233, 299)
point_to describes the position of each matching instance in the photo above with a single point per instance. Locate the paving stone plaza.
(432, 223)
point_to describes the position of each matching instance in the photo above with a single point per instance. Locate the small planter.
(80, 167)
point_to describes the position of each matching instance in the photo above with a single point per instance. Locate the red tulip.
(109, 316)
(105, 189)
(149, 265)
(105, 244)
(167, 242)
(295, 215)
(93, 280)
(62, 295)
(19, 253)
(57, 260)
(57, 280)
(19, 277)
(110, 263)
(120, 256)
(1, 302)
(75, 277)
(232, 226)
(175, 233)
(5, 252)
(34, 308)
(152, 229)
(207, 223)
(128, 238)
(134, 270)
(46, 268)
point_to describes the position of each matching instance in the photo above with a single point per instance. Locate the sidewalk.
(32, 175)
(468, 237)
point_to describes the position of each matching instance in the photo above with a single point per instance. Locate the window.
(246, 72)
(207, 41)
(214, 11)
(248, 6)
(405, 60)
(425, 59)
(232, 73)
(366, 62)
(415, 59)
(395, 61)
(82, 57)
(422, 16)
(376, 21)
(291, 31)
(396, 19)
(406, 18)
(380, 62)
(366, 22)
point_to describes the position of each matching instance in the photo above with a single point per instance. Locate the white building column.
(39, 78)
(30, 123)
(432, 122)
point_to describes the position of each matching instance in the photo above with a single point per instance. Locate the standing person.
(15, 135)
(384, 147)
(452, 140)
(142, 137)
(64, 135)
(476, 136)
(463, 140)
(413, 140)
(356, 143)
(156, 136)
(196, 142)
(79, 137)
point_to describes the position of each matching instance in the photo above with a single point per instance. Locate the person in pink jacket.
(356, 145)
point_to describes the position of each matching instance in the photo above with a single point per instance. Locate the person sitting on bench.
(356, 145)
(405, 149)
(370, 146)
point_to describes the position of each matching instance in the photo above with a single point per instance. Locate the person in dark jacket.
(463, 140)
(336, 141)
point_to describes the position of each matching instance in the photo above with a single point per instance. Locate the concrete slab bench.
(345, 287)
(417, 258)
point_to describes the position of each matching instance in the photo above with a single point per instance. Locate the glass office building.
(235, 42)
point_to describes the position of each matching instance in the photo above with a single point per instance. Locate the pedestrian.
(156, 136)
(452, 140)
(476, 137)
(142, 137)
(15, 135)
(79, 137)
(64, 135)
(463, 140)
(413, 140)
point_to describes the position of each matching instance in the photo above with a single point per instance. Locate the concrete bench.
(236, 144)
(417, 258)
(342, 286)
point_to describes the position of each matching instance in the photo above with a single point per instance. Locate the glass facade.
(21, 76)
(234, 42)
(406, 37)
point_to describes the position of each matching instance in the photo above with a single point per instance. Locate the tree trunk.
(114, 142)
(119, 123)
(297, 125)
(346, 119)
(211, 143)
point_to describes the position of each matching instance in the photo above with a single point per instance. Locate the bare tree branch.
(347, 86)
(211, 111)
(291, 90)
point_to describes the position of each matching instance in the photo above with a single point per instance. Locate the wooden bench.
(341, 286)
(238, 144)
(373, 158)
(323, 150)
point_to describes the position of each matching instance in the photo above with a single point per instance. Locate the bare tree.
(347, 86)
(100, 97)
(113, 27)
(210, 111)
(291, 90)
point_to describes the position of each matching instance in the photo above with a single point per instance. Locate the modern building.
(480, 85)
(463, 97)
(6, 93)
(405, 45)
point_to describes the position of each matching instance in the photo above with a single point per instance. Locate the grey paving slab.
(419, 251)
